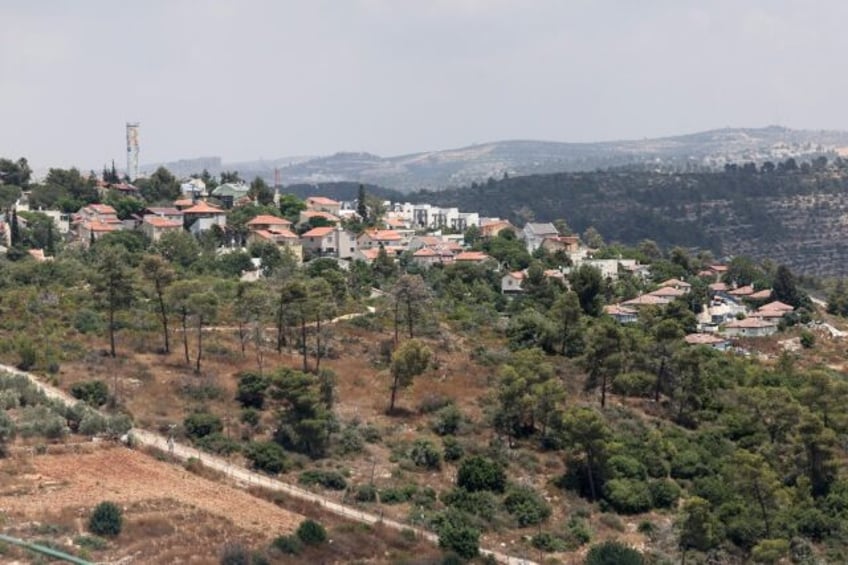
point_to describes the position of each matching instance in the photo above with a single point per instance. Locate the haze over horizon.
(262, 79)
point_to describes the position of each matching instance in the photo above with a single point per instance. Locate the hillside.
(439, 169)
(795, 217)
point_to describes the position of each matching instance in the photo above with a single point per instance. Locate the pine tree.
(361, 208)
(16, 229)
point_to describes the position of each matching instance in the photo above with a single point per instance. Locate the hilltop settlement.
(211, 370)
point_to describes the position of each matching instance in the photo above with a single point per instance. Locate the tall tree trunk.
(591, 478)
(184, 318)
(395, 384)
(660, 375)
(164, 314)
(762, 504)
(304, 344)
(603, 389)
(317, 343)
(397, 320)
(409, 317)
(112, 330)
(199, 343)
(281, 339)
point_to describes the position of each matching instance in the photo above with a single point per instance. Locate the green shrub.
(266, 456)
(118, 425)
(526, 506)
(370, 433)
(251, 390)
(91, 424)
(332, 480)
(26, 354)
(664, 493)
(433, 402)
(250, 416)
(457, 535)
(613, 553)
(452, 449)
(447, 420)
(687, 464)
(770, 551)
(481, 503)
(202, 424)
(106, 520)
(398, 495)
(350, 441)
(579, 533)
(94, 393)
(311, 532)
(425, 455)
(546, 541)
(234, 554)
(625, 467)
(87, 321)
(219, 444)
(481, 473)
(627, 496)
(366, 493)
(289, 545)
(808, 339)
(637, 384)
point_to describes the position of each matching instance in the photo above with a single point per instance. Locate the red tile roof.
(383, 235)
(159, 222)
(472, 256)
(703, 339)
(319, 232)
(322, 200)
(425, 252)
(742, 291)
(268, 220)
(203, 208)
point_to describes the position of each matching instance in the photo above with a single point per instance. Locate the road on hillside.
(250, 478)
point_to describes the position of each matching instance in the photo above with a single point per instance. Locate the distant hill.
(437, 170)
(797, 216)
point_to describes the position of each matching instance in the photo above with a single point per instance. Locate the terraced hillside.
(797, 216)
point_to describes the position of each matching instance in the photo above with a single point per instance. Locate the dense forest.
(790, 213)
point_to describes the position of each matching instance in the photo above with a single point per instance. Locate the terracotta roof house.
(668, 292)
(426, 257)
(677, 283)
(777, 305)
(375, 238)
(203, 216)
(742, 291)
(154, 227)
(493, 228)
(647, 300)
(323, 204)
(307, 215)
(366, 255)
(283, 237)
(511, 282)
(764, 294)
(89, 230)
(566, 243)
(266, 221)
(718, 287)
(472, 257)
(711, 340)
(621, 314)
(750, 327)
(184, 203)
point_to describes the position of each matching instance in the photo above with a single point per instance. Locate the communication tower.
(132, 150)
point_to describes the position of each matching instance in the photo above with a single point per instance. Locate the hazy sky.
(245, 79)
